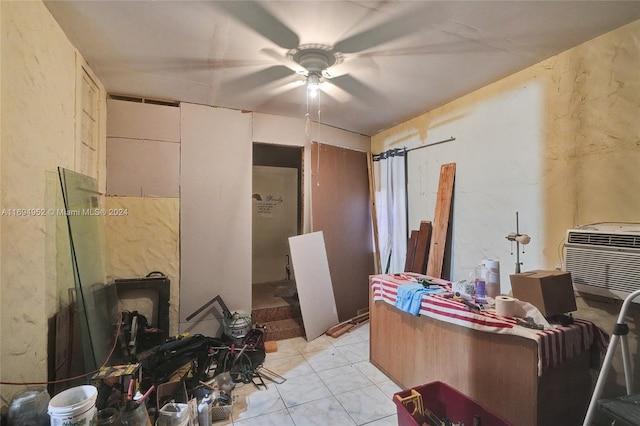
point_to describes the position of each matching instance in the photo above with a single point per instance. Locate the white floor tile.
(251, 402)
(344, 379)
(301, 389)
(328, 382)
(317, 344)
(278, 418)
(326, 359)
(371, 371)
(289, 367)
(386, 421)
(362, 332)
(346, 339)
(388, 388)
(367, 404)
(286, 348)
(355, 352)
(326, 411)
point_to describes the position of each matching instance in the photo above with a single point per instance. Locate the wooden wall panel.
(341, 210)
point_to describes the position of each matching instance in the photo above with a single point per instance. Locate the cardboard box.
(549, 291)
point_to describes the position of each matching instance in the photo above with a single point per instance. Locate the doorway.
(276, 216)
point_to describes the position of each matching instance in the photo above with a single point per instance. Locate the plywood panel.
(143, 121)
(341, 209)
(143, 168)
(215, 214)
(313, 280)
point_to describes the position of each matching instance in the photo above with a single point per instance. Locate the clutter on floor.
(185, 380)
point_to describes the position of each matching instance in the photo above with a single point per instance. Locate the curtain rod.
(431, 144)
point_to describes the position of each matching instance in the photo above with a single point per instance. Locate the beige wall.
(145, 239)
(37, 134)
(559, 142)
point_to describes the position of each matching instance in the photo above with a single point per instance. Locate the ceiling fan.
(324, 67)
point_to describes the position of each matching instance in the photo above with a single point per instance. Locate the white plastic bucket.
(74, 407)
(173, 414)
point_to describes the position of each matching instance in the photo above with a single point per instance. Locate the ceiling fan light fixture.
(313, 84)
(313, 81)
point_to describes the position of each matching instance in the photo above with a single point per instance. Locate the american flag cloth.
(555, 344)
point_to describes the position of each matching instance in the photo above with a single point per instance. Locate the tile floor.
(329, 382)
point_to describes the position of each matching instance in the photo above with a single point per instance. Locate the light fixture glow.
(313, 84)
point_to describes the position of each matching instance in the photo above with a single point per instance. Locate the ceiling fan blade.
(359, 90)
(283, 88)
(335, 92)
(393, 29)
(259, 19)
(446, 48)
(255, 80)
(285, 61)
(358, 62)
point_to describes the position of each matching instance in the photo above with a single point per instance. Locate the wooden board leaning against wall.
(341, 209)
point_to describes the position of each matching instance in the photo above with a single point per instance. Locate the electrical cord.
(91, 373)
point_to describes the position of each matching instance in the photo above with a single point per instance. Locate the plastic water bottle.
(481, 283)
(204, 407)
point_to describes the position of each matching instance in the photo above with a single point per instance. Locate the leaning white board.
(315, 291)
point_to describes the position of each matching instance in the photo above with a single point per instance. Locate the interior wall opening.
(277, 200)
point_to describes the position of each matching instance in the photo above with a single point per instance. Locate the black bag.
(164, 360)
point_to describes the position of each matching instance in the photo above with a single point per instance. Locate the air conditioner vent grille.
(605, 240)
(606, 270)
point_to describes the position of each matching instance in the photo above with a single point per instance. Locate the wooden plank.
(441, 220)
(411, 251)
(374, 215)
(422, 247)
(339, 331)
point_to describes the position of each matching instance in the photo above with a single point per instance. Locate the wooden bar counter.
(498, 371)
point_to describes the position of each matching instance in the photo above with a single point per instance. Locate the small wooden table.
(498, 371)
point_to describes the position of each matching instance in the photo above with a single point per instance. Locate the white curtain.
(391, 208)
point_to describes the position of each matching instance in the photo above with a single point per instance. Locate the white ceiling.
(400, 58)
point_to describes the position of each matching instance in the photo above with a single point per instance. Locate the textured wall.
(38, 80)
(145, 239)
(559, 142)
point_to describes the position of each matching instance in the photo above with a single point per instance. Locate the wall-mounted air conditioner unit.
(604, 261)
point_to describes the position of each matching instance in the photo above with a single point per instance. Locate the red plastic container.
(445, 401)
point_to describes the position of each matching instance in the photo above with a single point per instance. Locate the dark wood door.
(341, 209)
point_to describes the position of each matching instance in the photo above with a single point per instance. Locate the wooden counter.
(498, 371)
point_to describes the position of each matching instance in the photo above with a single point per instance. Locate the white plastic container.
(173, 414)
(74, 406)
